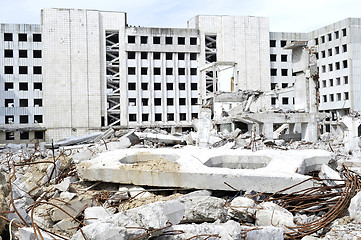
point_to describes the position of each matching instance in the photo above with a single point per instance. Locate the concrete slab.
(192, 167)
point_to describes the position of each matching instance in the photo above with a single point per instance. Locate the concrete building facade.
(88, 70)
(21, 99)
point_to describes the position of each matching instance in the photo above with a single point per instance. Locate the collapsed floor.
(155, 185)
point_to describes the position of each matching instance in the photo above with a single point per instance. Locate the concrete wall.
(18, 104)
(73, 67)
(244, 40)
(190, 95)
(333, 81)
(281, 67)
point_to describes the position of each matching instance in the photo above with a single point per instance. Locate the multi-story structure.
(339, 69)
(282, 79)
(21, 103)
(101, 72)
(86, 70)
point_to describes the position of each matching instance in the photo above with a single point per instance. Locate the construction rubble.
(151, 184)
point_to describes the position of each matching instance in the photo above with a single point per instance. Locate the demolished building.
(97, 71)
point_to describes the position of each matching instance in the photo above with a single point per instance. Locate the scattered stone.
(4, 192)
(270, 214)
(203, 209)
(355, 207)
(92, 214)
(243, 209)
(67, 225)
(266, 233)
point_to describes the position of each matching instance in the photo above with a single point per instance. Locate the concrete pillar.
(351, 139)
(268, 130)
(309, 130)
(292, 128)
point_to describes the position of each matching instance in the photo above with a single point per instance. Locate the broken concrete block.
(159, 138)
(67, 195)
(92, 214)
(65, 184)
(4, 192)
(228, 231)
(355, 207)
(28, 234)
(21, 206)
(271, 214)
(266, 233)
(74, 140)
(203, 209)
(67, 225)
(138, 192)
(109, 231)
(125, 141)
(310, 238)
(242, 209)
(328, 173)
(152, 216)
(73, 206)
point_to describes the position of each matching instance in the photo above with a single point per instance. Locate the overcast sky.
(284, 15)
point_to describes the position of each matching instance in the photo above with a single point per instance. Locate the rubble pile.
(43, 194)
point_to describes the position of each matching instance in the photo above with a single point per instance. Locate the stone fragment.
(271, 214)
(4, 192)
(355, 207)
(203, 209)
(92, 214)
(67, 225)
(152, 216)
(328, 173)
(266, 233)
(242, 209)
(73, 206)
(21, 206)
(28, 234)
(230, 230)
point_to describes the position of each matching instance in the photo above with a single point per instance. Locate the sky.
(284, 15)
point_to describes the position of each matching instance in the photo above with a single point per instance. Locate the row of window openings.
(23, 102)
(338, 95)
(157, 71)
(284, 72)
(168, 40)
(329, 51)
(24, 135)
(273, 43)
(22, 70)
(158, 86)
(331, 82)
(158, 101)
(8, 53)
(22, 37)
(23, 86)
(157, 55)
(337, 66)
(275, 85)
(9, 119)
(285, 100)
(329, 36)
(158, 117)
(273, 58)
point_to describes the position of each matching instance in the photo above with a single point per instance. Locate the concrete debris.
(242, 209)
(355, 208)
(203, 209)
(75, 140)
(4, 192)
(271, 214)
(140, 184)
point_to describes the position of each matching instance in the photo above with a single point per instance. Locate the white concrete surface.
(191, 167)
